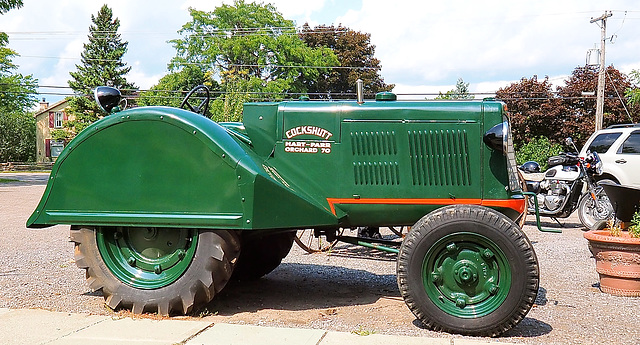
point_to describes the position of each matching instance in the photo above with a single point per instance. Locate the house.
(48, 119)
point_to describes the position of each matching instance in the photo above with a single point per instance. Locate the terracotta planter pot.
(617, 262)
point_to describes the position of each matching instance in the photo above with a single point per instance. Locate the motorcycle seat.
(537, 177)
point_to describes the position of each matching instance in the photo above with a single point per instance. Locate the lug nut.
(461, 302)
(131, 261)
(157, 269)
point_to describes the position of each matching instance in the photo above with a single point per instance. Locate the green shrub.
(634, 229)
(539, 150)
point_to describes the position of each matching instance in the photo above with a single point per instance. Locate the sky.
(423, 46)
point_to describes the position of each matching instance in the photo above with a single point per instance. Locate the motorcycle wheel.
(594, 214)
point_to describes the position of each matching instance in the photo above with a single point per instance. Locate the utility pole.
(601, 72)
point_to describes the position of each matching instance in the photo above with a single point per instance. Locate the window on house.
(56, 148)
(58, 116)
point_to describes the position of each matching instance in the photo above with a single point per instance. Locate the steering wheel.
(204, 104)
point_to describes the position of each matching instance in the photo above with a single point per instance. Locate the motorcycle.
(568, 185)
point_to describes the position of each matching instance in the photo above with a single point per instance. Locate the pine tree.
(102, 57)
(101, 65)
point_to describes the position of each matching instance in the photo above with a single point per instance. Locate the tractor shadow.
(351, 251)
(294, 287)
(562, 223)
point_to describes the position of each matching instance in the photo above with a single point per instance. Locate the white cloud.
(141, 79)
(423, 46)
(439, 42)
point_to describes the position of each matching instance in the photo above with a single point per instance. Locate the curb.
(37, 326)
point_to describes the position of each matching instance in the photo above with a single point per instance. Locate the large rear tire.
(157, 270)
(469, 270)
(261, 256)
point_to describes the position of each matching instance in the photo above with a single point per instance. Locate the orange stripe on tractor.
(515, 204)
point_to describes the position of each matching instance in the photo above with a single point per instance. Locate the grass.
(363, 332)
(7, 180)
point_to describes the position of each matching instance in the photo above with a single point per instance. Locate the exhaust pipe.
(359, 91)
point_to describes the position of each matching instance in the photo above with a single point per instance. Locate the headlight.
(496, 137)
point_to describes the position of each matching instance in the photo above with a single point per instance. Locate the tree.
(356, 59)
(633, 93)
(253, 43)
(579, 120)
(17, 96)
(460, 92)
(17, 137)
(6, 5)
(173, 87)
(101, 65)
(17, 91)
(534, 110)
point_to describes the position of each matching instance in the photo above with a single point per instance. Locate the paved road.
(26, 178)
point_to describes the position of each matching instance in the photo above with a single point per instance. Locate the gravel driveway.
(351, 289)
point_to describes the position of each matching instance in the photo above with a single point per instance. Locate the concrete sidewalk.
(35, 326)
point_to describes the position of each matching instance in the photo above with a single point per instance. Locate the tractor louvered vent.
(376, 173)
(439, 158)
(375, 161)
(374, 143)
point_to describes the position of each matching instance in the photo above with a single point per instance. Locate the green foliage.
(173, 87)
(102, 56)
(252, 41)
(17, 137)
(17, 96)
(633, 93)
(18, 91)
(460, 92)
(539, 150)
(634, 229)
(7, 180)
(353, 49)
(6, 5)
(101, 65)
(59, 134)
(85, 111)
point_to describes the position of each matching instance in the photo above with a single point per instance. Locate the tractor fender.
(148, 166)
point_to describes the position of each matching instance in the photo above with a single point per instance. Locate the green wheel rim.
(147, 258)
(466, 275)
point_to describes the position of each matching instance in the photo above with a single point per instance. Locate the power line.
(216, 64)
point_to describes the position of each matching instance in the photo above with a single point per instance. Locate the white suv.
(619, 148)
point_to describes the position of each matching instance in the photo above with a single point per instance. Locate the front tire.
(594, 214)
(157, 270)
(469, 270)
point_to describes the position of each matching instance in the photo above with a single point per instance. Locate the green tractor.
(166, 205)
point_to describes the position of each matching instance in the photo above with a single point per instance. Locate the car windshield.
(603, 142)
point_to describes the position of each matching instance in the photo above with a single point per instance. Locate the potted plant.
(617, 248)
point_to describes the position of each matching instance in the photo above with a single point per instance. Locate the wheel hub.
(147, 258)
(465, 272)
(466, 275)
